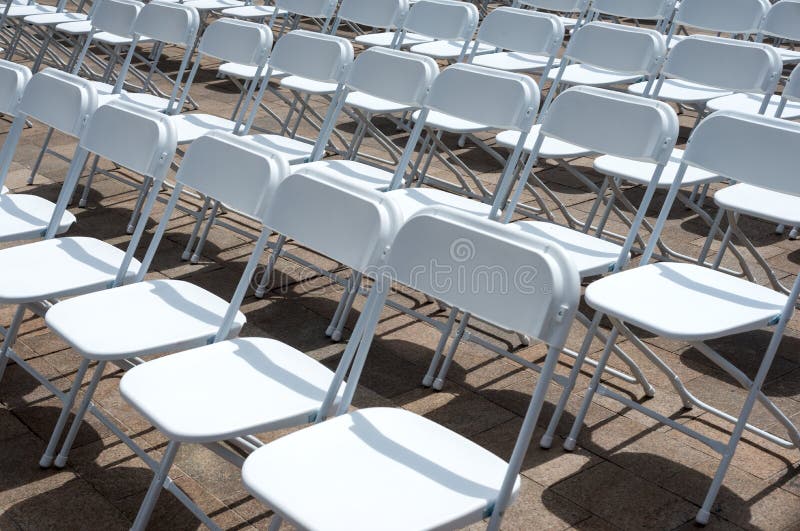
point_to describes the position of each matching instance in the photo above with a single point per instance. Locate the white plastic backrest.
(13, 80)
(168, 22)
(312, 55)
(783, 20)
(513, 280)
(727, 16)
(791, 91)
(307, 8)
(724, 63)
(443, 19)
(559, 6)
(134, 137)
(498, 99)
(374, 13)
(638, 9)
(116, 16)
(394, 75)
(624, 49)
(747, 148)
(234, 170)
(349, 224)
(614, 123)
(522, 30)
(237, 41)
(61, 100)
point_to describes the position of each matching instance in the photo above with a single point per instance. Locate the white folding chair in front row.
(693, 304)
(403, 468)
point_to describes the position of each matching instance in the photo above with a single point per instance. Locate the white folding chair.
(287, 387)
(386, 15)
(694, 304)
(61, 101)
(781, 25)
(36, 274)
(697, 70)
(448, 24)
(575, 10)
(308, 61)
(524, 41)
(606, 122)
(730, 17)
(427, 477)
(602, 55)
(147, 317)
(35, 30)
(13, 80)
(658, 12)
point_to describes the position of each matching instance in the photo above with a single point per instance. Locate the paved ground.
(628, 472)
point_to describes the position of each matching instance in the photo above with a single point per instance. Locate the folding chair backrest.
(234, 170)
(384, 14)
(167, 22)
(308, 8)
(637, 9)
(619, 48)
(747, 148)
(783, 20)
(443, 19)
(60, 100)
(515, 281)
(501, 100)
(13, 80)
(116, 16)
(725, 63)
(726, 16)
(522, 30)
(558, 6)
(136, 138)
(394, 75)
(356, 233)
(236, 41)
(791, 90)
(613, 123)
(312, 55)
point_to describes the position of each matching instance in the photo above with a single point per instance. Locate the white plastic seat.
(190, 126)
(412, 200)
(685, 301)
(247, 72)
(237, 387)
(209, 5)
(449, 50)
(57, 268)
(21, 11)
(373, 104)
(591, 255)
(640, 172)
(589, 75)
(760, 203)
(109, 325)
(25, 217)
(308, 86)
(386, 38)
(513, 61)
(551, 147)
(681, 91)
(293, 150)
(392, 459)
(51, 19)
(249, 11)
(361, 174)
(751, 104)
(448, 122)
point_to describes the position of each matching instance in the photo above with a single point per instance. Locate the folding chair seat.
(287, 387)
(738, 17)
(785, 105)
(448, 480)
(575, 9)
(780, 25)
(257, 12)
(63, 102)
(449, 24)
(524, 41)
(692, 304)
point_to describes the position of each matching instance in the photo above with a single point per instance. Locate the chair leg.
(427, 380)
(201, 243)
(11, 337)
(273, 257)
(61, 459)
(137, 208)
(47, 459)
(572, 439)
(340, 307)
(348, 306)
(35, 168)
(438, 383)
(154, 491)
(88, 186)
(201, 215)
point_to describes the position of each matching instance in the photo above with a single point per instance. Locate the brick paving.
(628, 472)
